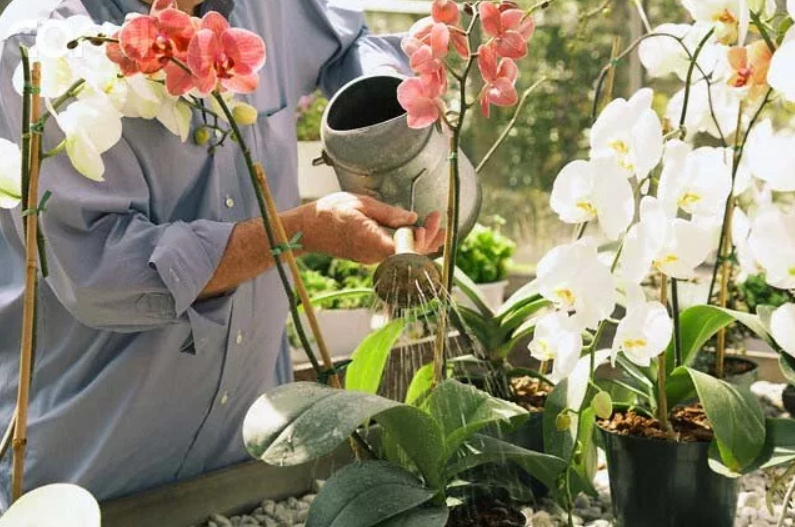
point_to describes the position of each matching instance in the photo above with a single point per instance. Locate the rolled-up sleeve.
(113, 265)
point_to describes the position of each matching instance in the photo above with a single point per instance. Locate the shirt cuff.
(187, 256)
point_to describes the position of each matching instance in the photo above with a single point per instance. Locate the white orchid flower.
(781, 75)
(771, 156)
(630, 133)
(782, 328)
(730, 18)
(663, 56)
(741, 233)
(772, 241)
(557, 337)
(58, 505)
(57, 60)
(596, 189)
(10, 174)
(645, 331)
(672, 246)
(92, 128)
(695, 181)
(699, 117)
(574, 279)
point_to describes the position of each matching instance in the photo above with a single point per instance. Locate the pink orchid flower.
(225, 56)
(510, 28)
(500, 78)
(427, 45)
(152, 41)
(445, 11)
(421, 98)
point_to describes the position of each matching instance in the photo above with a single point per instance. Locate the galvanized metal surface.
(366, 138)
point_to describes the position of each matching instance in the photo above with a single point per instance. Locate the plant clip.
(31, 89)
(292, 245)
(453, 156)
(42, 206)
(325, 376)
(37, 127)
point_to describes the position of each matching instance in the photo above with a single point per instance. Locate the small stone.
(300, 515)
(309, 498)
(269, 507)
(235, 521)
(283, 514)
(298, 525)
(221, 521)
(748, 513)
(542, 519)
(292, 503)
(591, 513)
(317, 485)
(212, 524)
(600, 523)
(258, 510)
(582, 502)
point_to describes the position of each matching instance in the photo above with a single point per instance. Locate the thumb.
(387, 215)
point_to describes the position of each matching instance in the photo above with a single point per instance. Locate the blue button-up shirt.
(137, 383)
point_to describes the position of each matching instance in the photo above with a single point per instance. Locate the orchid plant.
(667, 203)
(165, 65)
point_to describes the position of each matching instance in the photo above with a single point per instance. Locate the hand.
(349, 226)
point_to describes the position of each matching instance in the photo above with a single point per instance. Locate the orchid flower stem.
(739, 151)
(678, 360)
(507, 131)
(690, 71)
(451, 236)
(30, 177)
(662, 397)
(272, 240)
(755, 18)
(643, 16)
(72, 92)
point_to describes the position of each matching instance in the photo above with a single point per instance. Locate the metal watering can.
(367, 140)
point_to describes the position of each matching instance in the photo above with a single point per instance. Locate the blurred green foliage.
(486, 253)
(323, 274)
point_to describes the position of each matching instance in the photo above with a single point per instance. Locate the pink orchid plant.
(204, 55)
(428, 44)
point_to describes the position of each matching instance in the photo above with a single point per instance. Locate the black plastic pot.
(788, 398)
(666, 484)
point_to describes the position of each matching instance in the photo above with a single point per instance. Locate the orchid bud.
(602, 405)
(245, 114)
(202, 136)
(563, 421)
(469, 9)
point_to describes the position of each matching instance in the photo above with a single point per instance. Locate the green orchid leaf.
(364, 374)
(300, 422)
(373, 494)
(420, 385)
(736, 418)
(472, 292)
(698, 324)
(482, 449)
(462, 411)
(525, 294)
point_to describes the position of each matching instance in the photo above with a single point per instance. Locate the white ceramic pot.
(494, 294)
(343, 330)
(314, 182)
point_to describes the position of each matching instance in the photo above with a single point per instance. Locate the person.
(162, 318)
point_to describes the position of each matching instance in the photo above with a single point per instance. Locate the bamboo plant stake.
(30, 181)
(283, 241)
(662, 397)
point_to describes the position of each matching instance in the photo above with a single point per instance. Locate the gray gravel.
(752, 509)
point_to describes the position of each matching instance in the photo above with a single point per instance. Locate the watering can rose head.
(204, 54)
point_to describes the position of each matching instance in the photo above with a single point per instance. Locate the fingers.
(387, 215)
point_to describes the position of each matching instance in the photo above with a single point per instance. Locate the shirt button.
(239, 338)
(225, 399)
(229, 202)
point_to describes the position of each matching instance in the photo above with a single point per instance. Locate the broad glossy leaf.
(482, 449)
(420, 385)
(367, 495)
(700, 323)
(321, 300)
(736, 418)
(58, 505)
(418, 437)
(364, 374)
(779, 446)
(301, 422)
(462, 410)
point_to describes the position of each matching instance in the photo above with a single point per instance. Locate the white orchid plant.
(665, 193)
